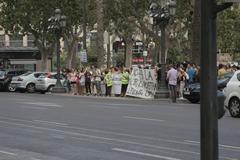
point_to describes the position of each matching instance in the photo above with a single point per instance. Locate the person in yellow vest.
(125, 80)
(108, 82)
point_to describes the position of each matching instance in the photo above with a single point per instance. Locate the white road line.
(141, 118)
(29, 107)
(35, 159)
(8, 153)
(42, 104)
(144, 154)
(221, 145)
(115, 104)
(49, 122)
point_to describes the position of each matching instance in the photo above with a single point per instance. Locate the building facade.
(19, 52)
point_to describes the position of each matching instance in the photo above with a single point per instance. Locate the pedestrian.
(191, 71)
(182, 78)
(172, 76)
(109, 83)
(125, 81)
(81, 82)
(117, 83)
(88, 82)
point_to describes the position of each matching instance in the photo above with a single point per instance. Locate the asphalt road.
(55, 127)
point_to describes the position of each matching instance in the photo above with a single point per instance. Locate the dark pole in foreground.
(209, 121)
(209, 105)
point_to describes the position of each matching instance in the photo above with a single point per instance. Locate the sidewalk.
(123, 98)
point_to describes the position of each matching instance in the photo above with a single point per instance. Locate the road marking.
(49, 122)
(29, 107)
(144, 154)
(221, 145)
(42, 104)
(115, 104)
(8, 153)
(141, 118)
(101, 138)
(35, 159)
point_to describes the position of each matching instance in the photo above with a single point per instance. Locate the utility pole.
(209, 111)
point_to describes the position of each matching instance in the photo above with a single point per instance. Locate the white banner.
(142, 83)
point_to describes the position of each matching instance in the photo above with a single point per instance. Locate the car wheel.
(30, 88)
(234, 107)
(11, 88)
(50, 88)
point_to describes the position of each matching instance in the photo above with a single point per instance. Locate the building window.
(30, 41)
(16, 41)
(2, 40)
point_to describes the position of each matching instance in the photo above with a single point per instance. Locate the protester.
(109, 83)
(117, 83)
(88, 83)
(125, 80)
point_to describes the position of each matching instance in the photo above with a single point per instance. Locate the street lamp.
(161, 16)
(57, 24)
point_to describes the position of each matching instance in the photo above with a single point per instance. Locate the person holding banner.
(117, 83)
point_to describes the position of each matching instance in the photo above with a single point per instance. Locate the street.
(56, 127)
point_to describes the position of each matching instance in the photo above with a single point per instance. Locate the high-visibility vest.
(108, 79)
(125, 78)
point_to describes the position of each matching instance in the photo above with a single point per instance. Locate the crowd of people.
(114, 81)
(93, 81)
(180, 76)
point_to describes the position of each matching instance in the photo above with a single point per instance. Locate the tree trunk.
(44, 61)
(196, 50)
(100, 31)
(71, 58)
(128, 52)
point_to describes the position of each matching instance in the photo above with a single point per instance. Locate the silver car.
(46, 82)
(25, 82)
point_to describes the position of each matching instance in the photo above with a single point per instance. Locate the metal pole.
(162, 89)
(59, 87)
(58, 61)
(209, 121)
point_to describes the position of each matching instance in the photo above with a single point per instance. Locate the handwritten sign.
(142, 83)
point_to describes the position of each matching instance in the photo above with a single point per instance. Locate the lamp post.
(58, 22)
(161, 16)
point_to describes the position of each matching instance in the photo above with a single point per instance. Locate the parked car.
(26, 81)
(6, 78)
(232, 93)
(46, 82)
(192, 91)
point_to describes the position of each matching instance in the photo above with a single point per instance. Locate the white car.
(232, 93)
(25, 82)
(46, 82)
